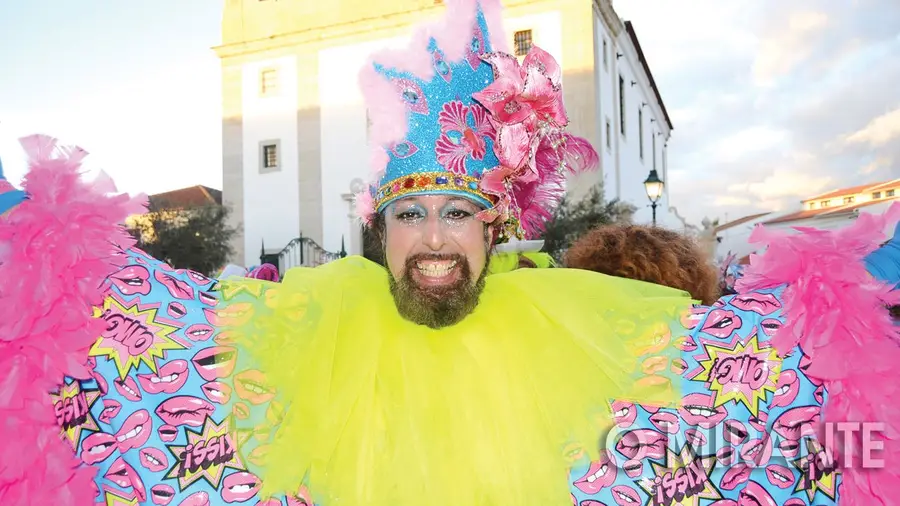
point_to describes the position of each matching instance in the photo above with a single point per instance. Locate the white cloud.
(787, 44)
(879, 131)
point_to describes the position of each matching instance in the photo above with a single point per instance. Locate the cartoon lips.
(154, 459)
(135, 431)
(199, 332)
(111, 408)
(127, 388)
(302, 498)
(641, 443)
(799, 502)
(695, 438)
(624, 413)
(132, 280)
(737, 475)
(208, 299)
(755, 495)
(97, 447)
(600, 475)
(789, 448)
(770, 326)
(235, 314)
(725, 455)
(240, 410)
(691, 319)
(760, 303)
(797, 422)
(162, 495)
(625, 496)
(665, 422)
(168, 379)
(788, 387)
(697, 410)
(251, 386)
(177, 288)
(216, 392)
(724, 502)
(633, 468)
(176, 310)
(780, 476)
(258, 455)
(679, 366)
(185, 410)
(194, 276)
(239, 487)
(757, 451)
(804, 364)
(721, 323)
(101, 382)
(196, 499)
(125, 476)
(819, 394)
(167, 433)
(216, 362)
(759, 422)
(735, 432)
(686, 343)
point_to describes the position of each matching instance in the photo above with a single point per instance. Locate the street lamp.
(654, 186)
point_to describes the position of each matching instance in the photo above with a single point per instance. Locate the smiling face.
(437, 252)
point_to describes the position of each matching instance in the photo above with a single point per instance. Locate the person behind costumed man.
(426, 381)
(747, 429)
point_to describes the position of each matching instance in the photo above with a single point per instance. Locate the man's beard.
(437, 306)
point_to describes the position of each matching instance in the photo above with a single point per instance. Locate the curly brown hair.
(646, 253)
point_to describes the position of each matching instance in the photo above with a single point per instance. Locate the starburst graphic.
(117, 498)
(817, 472)
(230, 290)
(135, 334)
(73, 411)
(742, 372)
(685, 473)
(207, 455)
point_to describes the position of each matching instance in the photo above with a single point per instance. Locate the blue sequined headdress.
(454, 114)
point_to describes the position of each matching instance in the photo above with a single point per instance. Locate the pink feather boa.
(835, 311)
(64, 242)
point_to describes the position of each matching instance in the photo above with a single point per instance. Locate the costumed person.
(646, 253)
(430, 380)
(763, 369)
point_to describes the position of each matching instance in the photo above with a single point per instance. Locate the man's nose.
(433, 235)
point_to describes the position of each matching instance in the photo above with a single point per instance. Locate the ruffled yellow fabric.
(506, 262)
(382, 412)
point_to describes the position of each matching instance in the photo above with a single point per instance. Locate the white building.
(295, 126)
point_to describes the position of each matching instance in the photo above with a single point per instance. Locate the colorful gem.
(402, 149)
(476, 45)
(473, 185)
(458, 182)
(423, 181)
(442, 67)
(409, 183)
(410, 96)
(395, 187)
(441, 180)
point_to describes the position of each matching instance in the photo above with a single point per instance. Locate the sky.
(772, 101)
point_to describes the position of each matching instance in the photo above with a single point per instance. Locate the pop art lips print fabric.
(743, 436)
(159, 418)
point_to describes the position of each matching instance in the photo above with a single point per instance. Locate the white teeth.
(622, 412)
(704, 412)
(599, 474)
(151, 460)
(98, 449)
(130, 391)
(130, 434)
(214, 393)
(240, 489)
(783, 390)
(435, 270)
(165, 379)
(254, 388)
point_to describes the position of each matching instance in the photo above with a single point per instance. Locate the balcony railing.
(301, 252)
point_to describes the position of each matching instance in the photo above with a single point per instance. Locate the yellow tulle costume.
(506, 262)
(378, 411)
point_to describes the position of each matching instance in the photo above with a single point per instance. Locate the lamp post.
(654, 187)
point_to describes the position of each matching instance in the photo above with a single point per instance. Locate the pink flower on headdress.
(523, 100)
(459, 140)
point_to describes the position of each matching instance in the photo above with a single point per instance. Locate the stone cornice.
(610, 18)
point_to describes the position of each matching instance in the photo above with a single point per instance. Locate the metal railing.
(301, 252)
